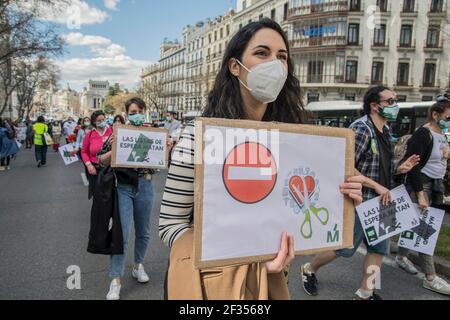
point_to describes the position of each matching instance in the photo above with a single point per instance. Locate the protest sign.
(255, 180)
(65, 154)
(424, 237)
(139, 147)
(381, 222)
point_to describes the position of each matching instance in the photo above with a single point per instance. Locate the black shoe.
(309, 282)
(39, 164)
(374, 296)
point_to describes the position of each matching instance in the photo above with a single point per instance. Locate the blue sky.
(114, 39)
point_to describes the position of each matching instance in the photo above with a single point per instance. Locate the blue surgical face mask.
(444, 124)
(137, 119)
(390, 112)
(102, 125)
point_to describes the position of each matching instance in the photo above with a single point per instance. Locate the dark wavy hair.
(372, 95)
(225, 100)
(94, 117)
(439, 107)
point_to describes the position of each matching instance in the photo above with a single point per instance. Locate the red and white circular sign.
(250, 172)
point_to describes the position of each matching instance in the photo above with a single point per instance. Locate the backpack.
(400, 150)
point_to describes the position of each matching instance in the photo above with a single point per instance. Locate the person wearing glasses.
(374, 160)
(426, 182)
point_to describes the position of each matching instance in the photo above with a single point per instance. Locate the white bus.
(343, 113)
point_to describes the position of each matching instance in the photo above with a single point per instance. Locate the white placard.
(424, 237)
(65, 154)
(383, 222)
(140, 148)
(295, 188)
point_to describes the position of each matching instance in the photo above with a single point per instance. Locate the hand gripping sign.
(255, 180)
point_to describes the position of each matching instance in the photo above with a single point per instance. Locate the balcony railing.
(305, 42)
(320, 8)
(321, 78)
(407, 45)
(433, 46)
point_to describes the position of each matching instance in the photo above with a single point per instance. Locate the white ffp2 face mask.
(266, 80)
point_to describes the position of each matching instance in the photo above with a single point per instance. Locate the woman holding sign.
(135, 195)
(257, 57)
(426, 182)
(92, 144)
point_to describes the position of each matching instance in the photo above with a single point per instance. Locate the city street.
(44, 224)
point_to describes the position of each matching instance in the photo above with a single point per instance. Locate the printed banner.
(65, 154)
(424, 237)
(383, 222)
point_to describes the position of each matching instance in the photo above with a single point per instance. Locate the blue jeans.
(382, 248)
(41, 153)
(134, 204)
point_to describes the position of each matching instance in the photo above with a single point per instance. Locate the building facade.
(195, 42)
(341, 48)
(172, 76)
(93, 97)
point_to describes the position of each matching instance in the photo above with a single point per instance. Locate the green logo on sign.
(371, 234)
(408, 235)
(140, 150)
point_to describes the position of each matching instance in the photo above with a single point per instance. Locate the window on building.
(313, 97)
(402, 98)
(221, 33)
(429, 75)
(377, 72)
(427, 98)
(382, 4)
(273, 14)
(433, 36)
(244, 5)
(351, 71)
(228, 30)
(408, 5)
(240, 26)
(403, 74)
(215, 35)
(355, 5)
(350, 96)
(315, 71)
(249, 21)
(406, 35)
(437, 5)
(379, 38)
(261, 16)
(353, 34)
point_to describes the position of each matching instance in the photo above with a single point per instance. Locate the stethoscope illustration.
(306, 227)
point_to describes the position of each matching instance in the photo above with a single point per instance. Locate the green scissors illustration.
(321, 214)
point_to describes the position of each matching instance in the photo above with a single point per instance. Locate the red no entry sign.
(250, 172)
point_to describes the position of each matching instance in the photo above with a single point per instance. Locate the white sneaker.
(114, 290)
(140, 275)
(438, 285)
(405, 264)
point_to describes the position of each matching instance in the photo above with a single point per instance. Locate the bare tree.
(151, 93)
(29, 76)
(23, 34)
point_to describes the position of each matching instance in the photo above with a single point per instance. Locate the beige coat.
(244, 282)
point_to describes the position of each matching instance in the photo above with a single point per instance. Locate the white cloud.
(110, 62)
(78, 39)
(111, 51)
(111, 4)
(122, 69)
(73, 13)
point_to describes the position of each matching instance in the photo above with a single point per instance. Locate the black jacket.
(105, 206)
(421, 144)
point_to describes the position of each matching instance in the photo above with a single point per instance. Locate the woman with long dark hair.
(426, 183)
(255, 82)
